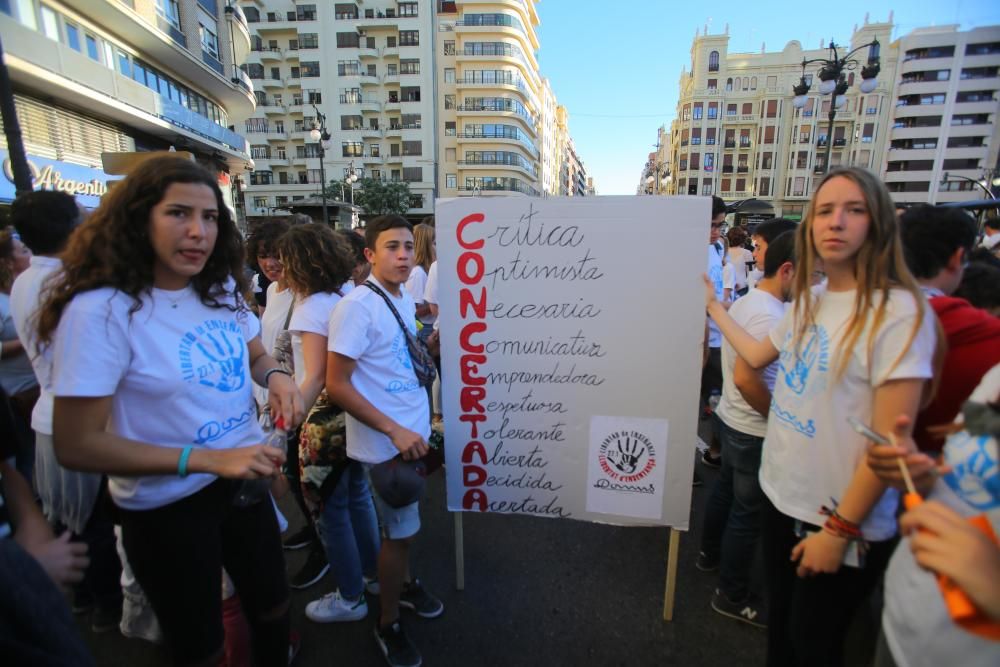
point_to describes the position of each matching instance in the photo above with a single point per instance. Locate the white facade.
(93, 76)
(945, 116)
(369, 69)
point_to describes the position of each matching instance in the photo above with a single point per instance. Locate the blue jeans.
(348, 527)
(732, 516)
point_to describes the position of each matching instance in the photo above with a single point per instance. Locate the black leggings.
(177, 553)
(809, 617)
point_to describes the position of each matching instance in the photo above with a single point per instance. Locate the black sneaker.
(415, 597)
(711, 461)
(705, 563)
(314, 569)
(397, 648)
(302, 538)
(105, 620)
(749, 611)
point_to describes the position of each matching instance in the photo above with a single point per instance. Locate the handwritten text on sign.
(555, 375)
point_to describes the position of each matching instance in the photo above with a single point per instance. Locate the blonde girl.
(862, 346)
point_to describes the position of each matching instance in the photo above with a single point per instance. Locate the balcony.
(371, 132)
(394, 130)
(240, 32)
(839, 142)
(163, 43)
(293, 82)
(729, 144)
(268, 82)
(742, 170)
(391, 104)
(727, 169)
(269, 54)
(367, 52)
(370, 106)
(269, 108)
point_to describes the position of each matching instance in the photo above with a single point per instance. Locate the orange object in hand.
(962, 610)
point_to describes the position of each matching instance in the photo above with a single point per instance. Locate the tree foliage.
(376, 197)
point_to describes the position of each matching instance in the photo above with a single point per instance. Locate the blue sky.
(616, 67)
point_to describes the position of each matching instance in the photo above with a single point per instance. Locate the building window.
(50, 23)
(92, 49)
(449, 75)
(413, 174)
(698, 106)
(449, 47)
(450, 181)
(208, 29)
(308, 40)
(713, 61)
(260, 202)
(408, 9)
(169, 11)
(412, 148)
(310, 69)
(729, 85)
(73, 36)
(713, 84)
(409, 67)
(449, 128)
(409, 37)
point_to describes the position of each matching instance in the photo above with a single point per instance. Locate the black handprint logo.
(229, 360)
(626, 458)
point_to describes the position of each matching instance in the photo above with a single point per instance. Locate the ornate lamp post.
(321, 137)
(833, 81)
(351, 178)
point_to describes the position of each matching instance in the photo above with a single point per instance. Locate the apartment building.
(944, 119)
(366, 66)
(737, 135)
(95, 76)
(492, 99)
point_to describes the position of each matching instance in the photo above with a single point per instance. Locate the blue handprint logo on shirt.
(799, 361)
(975, 475)
(214, 355)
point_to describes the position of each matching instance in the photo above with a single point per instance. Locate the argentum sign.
(88, 185)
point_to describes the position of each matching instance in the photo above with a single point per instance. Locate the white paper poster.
(626, 466)
(571, 336)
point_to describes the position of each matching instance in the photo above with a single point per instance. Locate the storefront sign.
(88, 185)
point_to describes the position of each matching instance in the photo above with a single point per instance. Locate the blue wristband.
(182, 462)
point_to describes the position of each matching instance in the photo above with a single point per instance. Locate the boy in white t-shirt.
(370, 374)
(732, 517)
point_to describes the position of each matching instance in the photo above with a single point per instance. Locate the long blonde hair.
(423, 246)
(879, 266)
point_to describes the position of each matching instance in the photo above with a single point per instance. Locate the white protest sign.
(571, 335)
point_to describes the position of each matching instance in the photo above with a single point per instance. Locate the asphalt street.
(537, 592)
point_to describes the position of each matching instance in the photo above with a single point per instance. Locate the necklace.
(175, 301)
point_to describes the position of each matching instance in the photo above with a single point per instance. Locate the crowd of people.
(158, 399)
(849, 373)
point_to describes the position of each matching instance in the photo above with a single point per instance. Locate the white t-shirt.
(178, 372)
(916, 622)
(25, 299)
(271, 324)
(738, 258)
(364, 329)
(729, 279)
(416, 286)
(312, 315)
(811, 452)
(715, 277)
(431, 290)
(758, 312)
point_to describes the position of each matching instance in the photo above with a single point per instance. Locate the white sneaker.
(331, 608)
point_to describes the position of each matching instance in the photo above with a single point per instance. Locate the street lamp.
(321, 137)
(352, 178)
(945, 177)
(834, 82)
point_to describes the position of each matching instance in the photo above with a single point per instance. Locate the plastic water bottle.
(252, 491)
(713, 399)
